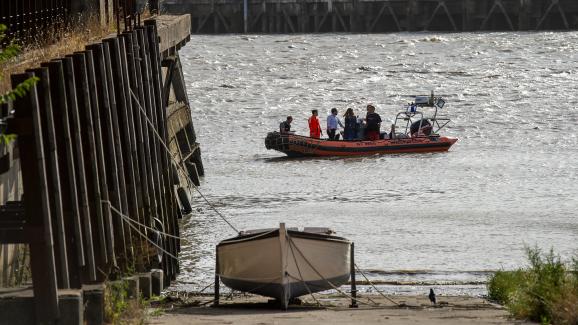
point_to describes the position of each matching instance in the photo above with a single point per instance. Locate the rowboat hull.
(300, 146)
(284, 264)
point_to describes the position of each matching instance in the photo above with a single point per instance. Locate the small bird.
(432, 296)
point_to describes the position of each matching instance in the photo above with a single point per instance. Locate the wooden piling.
(158, 118)
(87, 160)
(148, 134)
(128, 144)
(68, 188)
(117, 195)
(53, 175)
(104, 145)
(132, 106)
(76, 134)
(36, 205)
(100, 186)
(117, 80)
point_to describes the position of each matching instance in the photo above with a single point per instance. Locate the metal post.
(217, 283)
(352, 271)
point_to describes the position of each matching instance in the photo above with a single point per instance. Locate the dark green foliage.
(503, 284)
(20, 91)
(546, 291)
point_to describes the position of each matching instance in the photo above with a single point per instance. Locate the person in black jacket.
(285, 126)
(373, 123)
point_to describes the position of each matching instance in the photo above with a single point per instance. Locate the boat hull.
(284, 265)
(300, 146)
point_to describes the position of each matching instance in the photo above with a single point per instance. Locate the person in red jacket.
(314, 126)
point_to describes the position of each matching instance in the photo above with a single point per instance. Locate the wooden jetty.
(105, 141)
(374, 16)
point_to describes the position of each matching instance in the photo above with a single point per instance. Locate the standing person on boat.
(350, 125)
(373, 121)
(314, 126)
(332, 123)
(285, 126)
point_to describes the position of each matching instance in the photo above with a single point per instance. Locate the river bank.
(410, 310)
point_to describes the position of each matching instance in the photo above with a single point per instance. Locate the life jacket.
(314, 126)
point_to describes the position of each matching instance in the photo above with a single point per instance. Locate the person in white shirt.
(332, 123)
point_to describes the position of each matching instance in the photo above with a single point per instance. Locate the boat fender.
(184, 199)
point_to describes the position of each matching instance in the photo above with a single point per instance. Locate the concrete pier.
(17, 305)
(94, 303)
(157, 282)
(374, 16)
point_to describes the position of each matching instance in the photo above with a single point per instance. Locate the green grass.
(546, 291)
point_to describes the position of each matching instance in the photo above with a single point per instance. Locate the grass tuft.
(546, 291)
(119, 308)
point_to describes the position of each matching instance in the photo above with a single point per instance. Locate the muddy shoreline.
(325, 309)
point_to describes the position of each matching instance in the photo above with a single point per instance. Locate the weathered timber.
(37, 206)
(133, 102)
(89, 182)
(118, 80)
(98, 163)
(128, 145)
(64, 144)
(102, 145)
(114, 161)
(76, 135)
(53, 174)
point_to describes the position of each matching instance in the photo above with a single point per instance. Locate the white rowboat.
(284, 263)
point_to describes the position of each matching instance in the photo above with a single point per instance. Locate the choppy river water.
(443, 220)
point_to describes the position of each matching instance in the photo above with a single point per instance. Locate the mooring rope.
(138, 223)
(140, 233)
(187, 177)
(374, 287)
(325, 279)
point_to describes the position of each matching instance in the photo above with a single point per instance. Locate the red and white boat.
(419, 135)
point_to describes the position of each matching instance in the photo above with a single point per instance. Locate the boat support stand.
(352, 271)
(217, 281)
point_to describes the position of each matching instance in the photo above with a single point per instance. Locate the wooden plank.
(152, 144)
(178, 81)
(150, 45)
(173, 30)
(74, 122)
(141, 128)
(64, 144)
(117, 196)
(53, 175)
(97, 154)
(169, 64)
(170, 190)
(37, 205)
(104, 142)
(128, 143)
(137, 96)
(86, 169)
(157, 114)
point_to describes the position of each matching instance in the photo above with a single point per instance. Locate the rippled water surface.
(433, 219)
